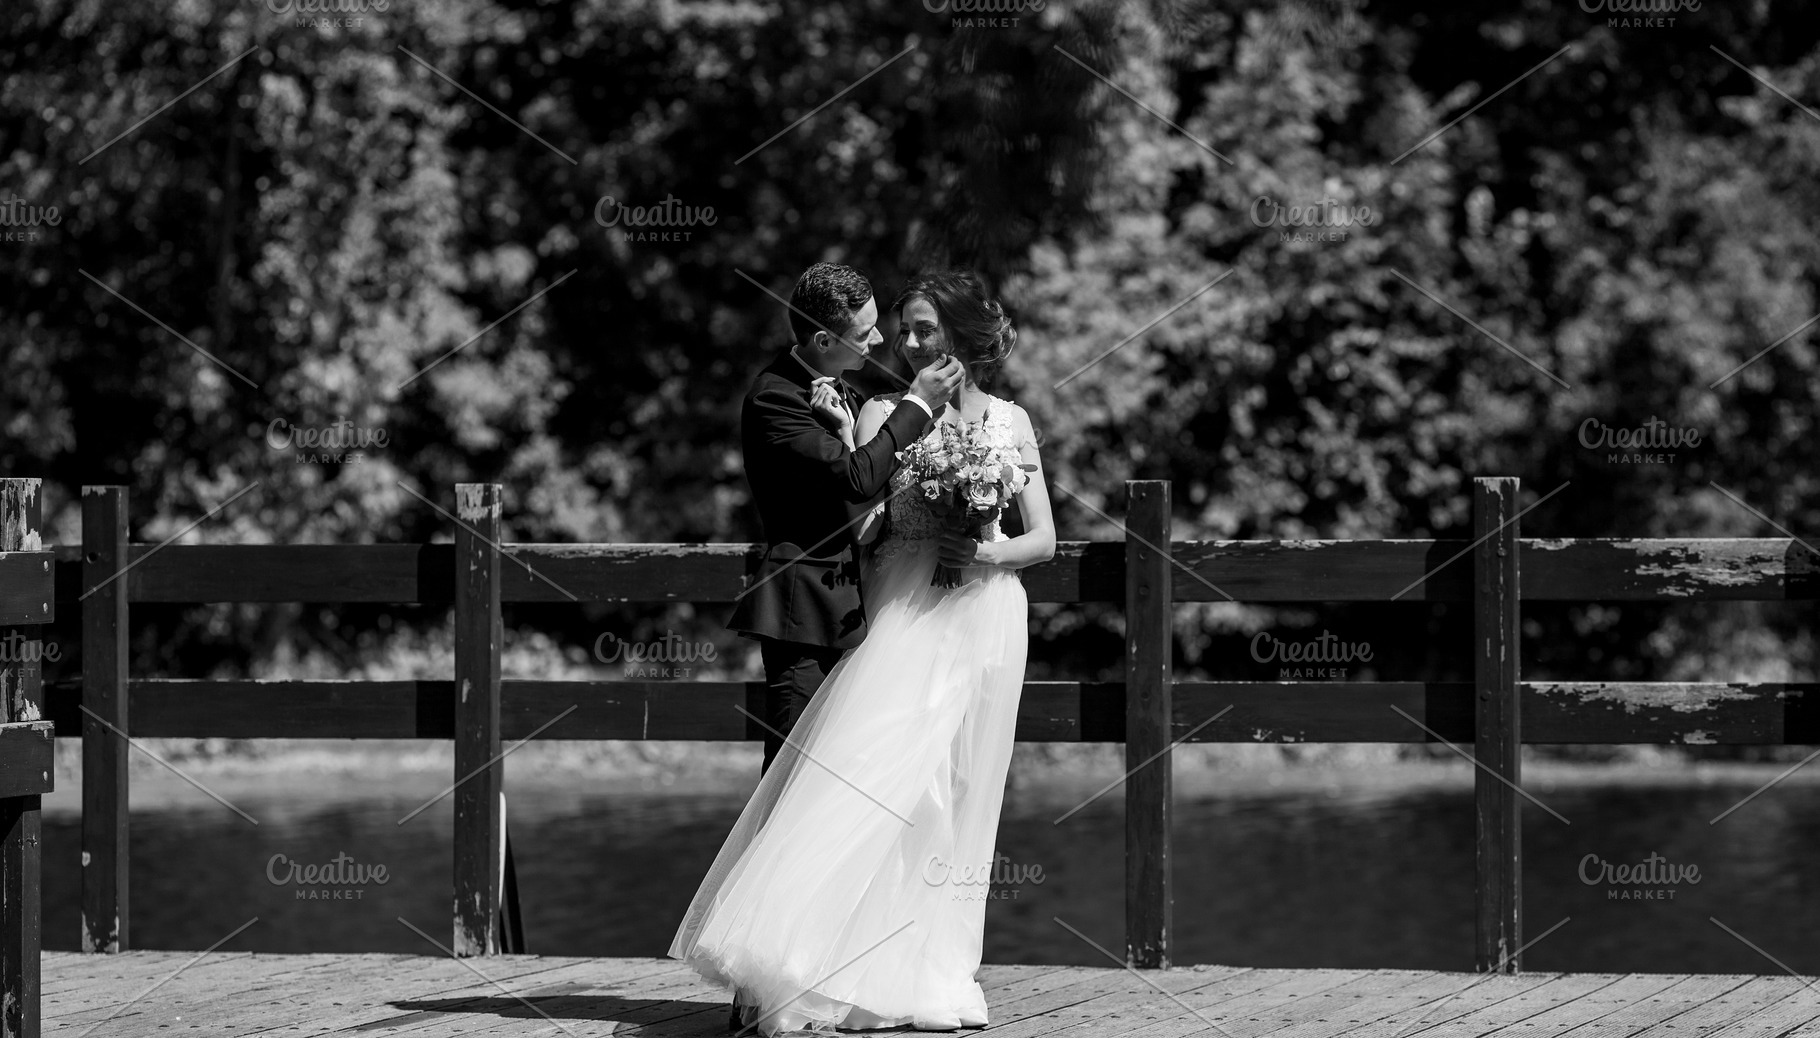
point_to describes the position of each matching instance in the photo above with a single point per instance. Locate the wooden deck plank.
(278, 999)
(1670, 1004)
(1711, 1017)
(1122, 1011)
(1260, 992)
(1559, 989)
(174, 974)
(1070, 1005)
(1792, 1014)
(430, 996)
(1188, 985)
(1396, 998)
(195, 994)
(66, 970)
(1628, 990)
(210, 1007)
(1753, 996)
(674, 1013)
(1451, 995)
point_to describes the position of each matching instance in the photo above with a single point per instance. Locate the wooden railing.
(1149, 711)
(27, 752)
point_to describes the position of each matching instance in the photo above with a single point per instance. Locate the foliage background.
(335, 211)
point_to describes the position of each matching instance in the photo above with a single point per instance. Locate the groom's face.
(861, 336)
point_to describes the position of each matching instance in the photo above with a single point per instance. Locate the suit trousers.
(793, 671)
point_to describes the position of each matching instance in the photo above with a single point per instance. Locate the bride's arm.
(871, 420)
(1037, 542)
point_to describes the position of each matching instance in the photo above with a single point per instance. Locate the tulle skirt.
(852, 891)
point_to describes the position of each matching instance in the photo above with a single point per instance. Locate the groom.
(804, 607)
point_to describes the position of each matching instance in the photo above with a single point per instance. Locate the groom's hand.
(936, 383)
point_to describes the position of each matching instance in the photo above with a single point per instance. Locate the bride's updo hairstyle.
(974, 326)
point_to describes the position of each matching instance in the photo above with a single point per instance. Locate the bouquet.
(966, 481)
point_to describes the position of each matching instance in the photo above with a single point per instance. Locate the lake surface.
(1293, 879)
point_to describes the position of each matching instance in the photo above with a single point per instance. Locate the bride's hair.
(978, 332)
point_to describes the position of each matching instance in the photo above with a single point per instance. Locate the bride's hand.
(957, 549)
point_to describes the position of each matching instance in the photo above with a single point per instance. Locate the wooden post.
(105, 753)
(479, 629)
(21, 828)
(1498, 741)
(1149, 602)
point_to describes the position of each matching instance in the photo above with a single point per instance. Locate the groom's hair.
(829, 294)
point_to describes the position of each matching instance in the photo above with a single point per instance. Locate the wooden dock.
(228, 994)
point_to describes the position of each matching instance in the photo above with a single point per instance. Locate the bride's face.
(921, 339)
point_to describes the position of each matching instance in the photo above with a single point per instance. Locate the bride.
(852, 890)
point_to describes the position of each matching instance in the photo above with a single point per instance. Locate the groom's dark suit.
(804, 605)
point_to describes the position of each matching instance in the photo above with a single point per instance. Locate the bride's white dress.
(852, 889)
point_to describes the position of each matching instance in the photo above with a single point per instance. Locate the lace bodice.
(908, 518)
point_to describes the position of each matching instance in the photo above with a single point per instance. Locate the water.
(1296, 879)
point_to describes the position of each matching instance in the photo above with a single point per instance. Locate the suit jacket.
(810, 490)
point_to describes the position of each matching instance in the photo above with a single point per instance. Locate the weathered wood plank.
(1783, 998)
(708, 573)
(479, 773)
(204, 999)
(276, 573)
(1256, 1011)
(1768, 1007)
(1591, 1007)
(27, 758)
(1369, 998)
(1322, 571)
(1120, 1011)
(1413, 1007)
(26, 595)
(1683, 713)
(1029, 993)
(1497, 727)
(1072, 1008)
(1406, 570)
(1560, 989)
(1678, 713)
(106, 915)
(1149, 679)
(1472, 993)
(1669, 569)
(21, 820)
(1671, 1004)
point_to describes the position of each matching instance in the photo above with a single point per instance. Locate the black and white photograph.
(1033, 518)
